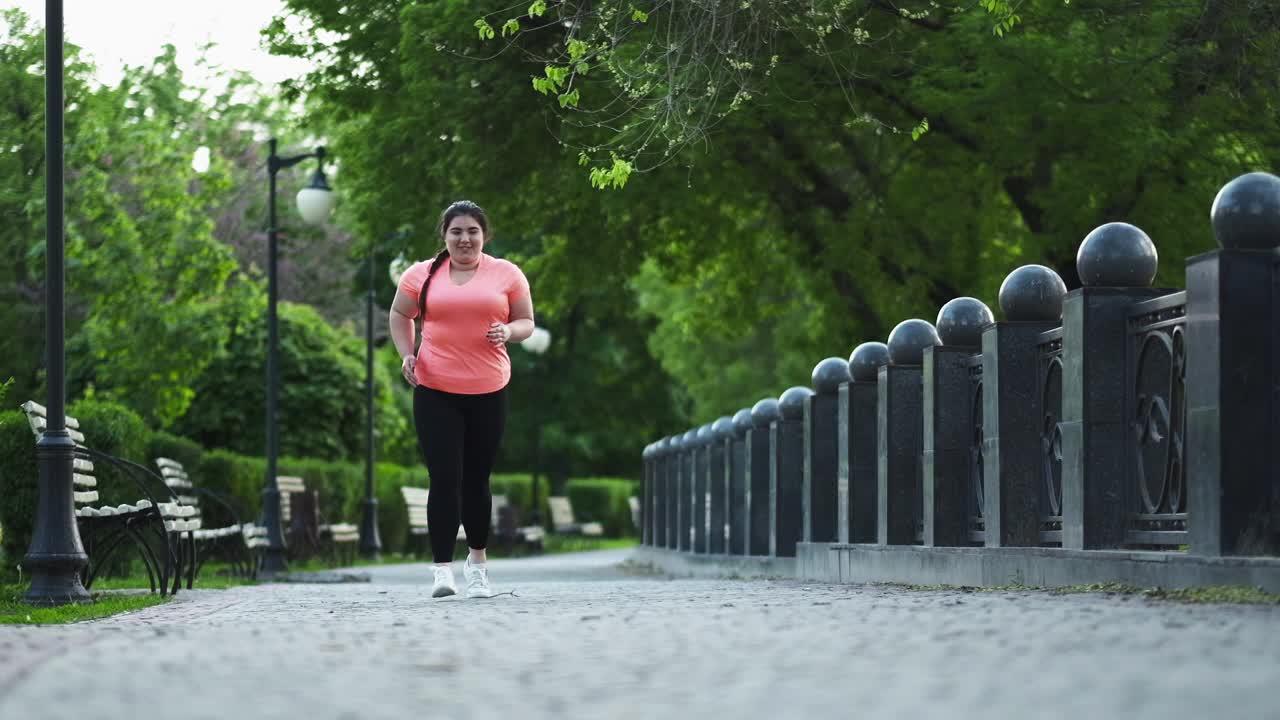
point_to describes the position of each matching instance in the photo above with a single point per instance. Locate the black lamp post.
(315, 202)
(56, 555)
(537, 343)
(370, 542)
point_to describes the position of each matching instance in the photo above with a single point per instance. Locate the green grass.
(552, 544)
(14, 611)
(1237, 595)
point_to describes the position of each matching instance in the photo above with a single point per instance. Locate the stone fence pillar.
(739, 492)
(786, 441)
(675, 446)
(1117, 263)
(1233, 375)
(761, 477)
(858, 419)
(688, 450)
(820, 493)
(718, 492)
(1013, 454)
(900, 518)
(949, 421)
(701, 487)
(646, 492)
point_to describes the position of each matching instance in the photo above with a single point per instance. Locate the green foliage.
(236, 476)
(321, 393)
(161, 444)
(18, 488)
(603, 500)
(144, 257)
(749, 239)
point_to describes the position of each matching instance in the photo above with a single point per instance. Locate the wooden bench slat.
(86, 497)
(35, 409)
(84, 480)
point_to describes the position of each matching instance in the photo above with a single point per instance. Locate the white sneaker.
(444, 586)
(477, 577)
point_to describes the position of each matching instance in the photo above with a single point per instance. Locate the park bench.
(563, 522)
(505, 523)
(634, 503)
(415, 502)
(224, 540)
(149, 521)
(507, 531)
(306, 532)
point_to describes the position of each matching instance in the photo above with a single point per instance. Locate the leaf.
(569, 98)
(639, 16)
(511, 27)
(485, 29)
(538, 8)
(919, 130)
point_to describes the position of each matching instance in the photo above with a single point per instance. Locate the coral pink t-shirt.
(455, 355)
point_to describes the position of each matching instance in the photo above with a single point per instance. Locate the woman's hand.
(407, 367)
(498, 334)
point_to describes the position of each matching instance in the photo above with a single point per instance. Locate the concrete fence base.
(673, 562)
(973, 567)
(1030, 567)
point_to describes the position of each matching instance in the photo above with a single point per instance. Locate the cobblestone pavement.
(585, 640)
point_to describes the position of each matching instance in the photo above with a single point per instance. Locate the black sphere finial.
(908, 340)
(1032, 293)
(1117, 255)
(1246, 213)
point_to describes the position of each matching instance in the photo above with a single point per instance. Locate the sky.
(118, 32)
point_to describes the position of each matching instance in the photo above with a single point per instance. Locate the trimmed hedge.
(604, 500)
(108, 427)
(18, 473)
(114, 429)
(165, 445)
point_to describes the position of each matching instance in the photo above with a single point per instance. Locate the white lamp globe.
(397, 267)
(315, 204)
(538, 342)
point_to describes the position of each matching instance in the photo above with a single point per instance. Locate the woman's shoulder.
(504, 264)
(416, 273)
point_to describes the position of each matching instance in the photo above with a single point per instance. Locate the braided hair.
(458, 209)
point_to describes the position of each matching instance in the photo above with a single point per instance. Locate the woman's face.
(465, 239)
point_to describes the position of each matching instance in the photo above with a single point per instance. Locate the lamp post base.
(274, 557)
(55, 556)
(55, 580)
(370, 543)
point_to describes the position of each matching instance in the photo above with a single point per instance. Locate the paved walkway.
(585, 640)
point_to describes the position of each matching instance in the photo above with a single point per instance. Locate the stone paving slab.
(583, 639)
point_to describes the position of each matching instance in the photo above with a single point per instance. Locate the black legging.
(459, 436)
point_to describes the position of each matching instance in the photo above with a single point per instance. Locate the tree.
(808, 219)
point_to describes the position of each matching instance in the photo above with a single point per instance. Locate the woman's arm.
(400, 322)
(521, 322)
(518, 327)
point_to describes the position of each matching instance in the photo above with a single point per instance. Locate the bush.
(603, 500)
(18, 475)
(108, 428)
(322, 392)
(518, 487)
(236, 476)
(165, 445)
